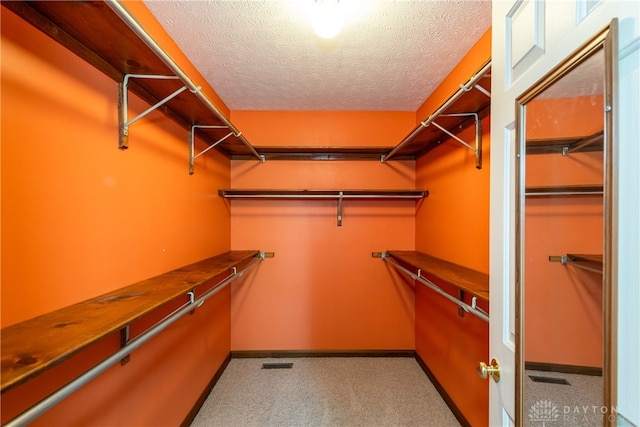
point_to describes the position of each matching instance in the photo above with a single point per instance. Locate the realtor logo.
(544, 411)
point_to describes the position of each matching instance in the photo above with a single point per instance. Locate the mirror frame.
(606, 39)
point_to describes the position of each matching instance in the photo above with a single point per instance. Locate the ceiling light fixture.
(327, 18)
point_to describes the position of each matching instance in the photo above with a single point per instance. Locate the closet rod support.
(461, 310)
(125, 338)
(477, 150)
(483, 90)
(123, 104)
(192, 137)
(454, 137)
(340, 194)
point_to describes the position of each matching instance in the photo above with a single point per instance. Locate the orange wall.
(81, 218)
(453, 224)
(323, 290)
(570, 331)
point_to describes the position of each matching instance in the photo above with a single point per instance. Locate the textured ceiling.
(264, 55)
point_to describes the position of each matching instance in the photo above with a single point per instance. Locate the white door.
(530, 37)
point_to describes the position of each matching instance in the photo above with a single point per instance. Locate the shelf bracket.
(340, 195)
(125, 337)
(477, 150)
(483, 90)
(461, 309)
(123, 104)
(192, 155)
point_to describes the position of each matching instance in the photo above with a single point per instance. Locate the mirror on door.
(563, 247)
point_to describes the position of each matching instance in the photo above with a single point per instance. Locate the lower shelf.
(433, 271)
(31, 347)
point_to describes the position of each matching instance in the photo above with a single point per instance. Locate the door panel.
(530, 37)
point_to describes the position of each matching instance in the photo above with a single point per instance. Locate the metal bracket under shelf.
(477, 150)
(123, 104)
(125, 338)
(192, 137)
(464, 87)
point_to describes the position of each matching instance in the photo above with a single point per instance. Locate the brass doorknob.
(485, 371)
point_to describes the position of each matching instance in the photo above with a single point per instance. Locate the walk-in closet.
(220, 213)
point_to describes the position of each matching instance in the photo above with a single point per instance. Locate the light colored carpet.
(333, 391)
(578, 404)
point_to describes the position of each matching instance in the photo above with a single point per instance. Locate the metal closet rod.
(463, 89)
(169, 62)
(466, 307)
(321, 196)
(56, 397)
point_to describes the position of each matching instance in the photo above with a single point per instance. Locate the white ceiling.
(264, 55)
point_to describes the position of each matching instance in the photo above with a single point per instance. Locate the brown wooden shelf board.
(322, 194)
(322, 153)
(466, 279)
(33, 346)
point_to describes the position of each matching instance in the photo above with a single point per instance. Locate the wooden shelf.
(593, 142)
(438, 270)
(93, 31)
(322, 194)
(338, 195)
(322, 153)
(472, 98)
(565, 191)
(34, 346)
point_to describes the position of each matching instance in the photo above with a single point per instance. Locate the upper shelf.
(465, 108)
(322, 153)
(466, 279)
(97, 32)
(104, 34)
